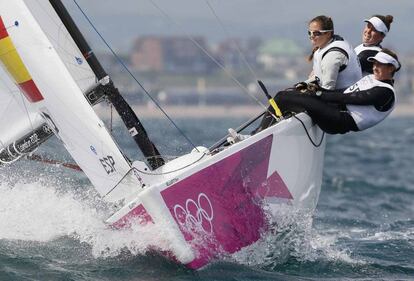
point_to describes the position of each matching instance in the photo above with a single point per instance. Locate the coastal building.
(171, 54)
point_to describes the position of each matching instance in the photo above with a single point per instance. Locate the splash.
(293, 236)
(41, 212)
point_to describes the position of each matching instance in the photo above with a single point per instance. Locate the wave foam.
(294, 237)
(38, 212)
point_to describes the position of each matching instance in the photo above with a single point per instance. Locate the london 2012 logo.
(196, 216)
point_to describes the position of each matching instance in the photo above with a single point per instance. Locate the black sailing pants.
(330, 117)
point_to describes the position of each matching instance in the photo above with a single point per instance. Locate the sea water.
(51, 219)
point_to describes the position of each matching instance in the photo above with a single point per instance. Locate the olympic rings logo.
(196, 216)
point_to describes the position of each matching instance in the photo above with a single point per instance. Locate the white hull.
(216, 205)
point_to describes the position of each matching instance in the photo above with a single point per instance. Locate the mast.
(131, 121)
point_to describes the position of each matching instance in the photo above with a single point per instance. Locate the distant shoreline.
(191, 111)
(403, 109)
(182, 111)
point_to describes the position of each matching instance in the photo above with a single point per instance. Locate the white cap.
(378, 24)
(385, 58)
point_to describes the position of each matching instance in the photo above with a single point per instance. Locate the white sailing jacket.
(366, 116)
(363, 52)
(360, 48)
(348, 75)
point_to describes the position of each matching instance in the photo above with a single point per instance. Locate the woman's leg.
(329, 117)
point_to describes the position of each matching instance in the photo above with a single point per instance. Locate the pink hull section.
(218, 208)
(137, 215)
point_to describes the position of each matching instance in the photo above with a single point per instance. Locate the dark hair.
(392, 54)
(326, 24)
(387, 20)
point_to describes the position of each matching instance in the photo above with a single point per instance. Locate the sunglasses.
(316, 33)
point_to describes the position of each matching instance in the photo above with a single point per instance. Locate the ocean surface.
(51, 220)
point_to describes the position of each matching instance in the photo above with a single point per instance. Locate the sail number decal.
(108, 163)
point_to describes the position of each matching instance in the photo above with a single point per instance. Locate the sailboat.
(213, 201)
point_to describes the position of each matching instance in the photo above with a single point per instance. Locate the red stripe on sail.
(3, 30)
(31, 91)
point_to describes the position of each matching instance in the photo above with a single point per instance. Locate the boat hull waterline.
(217, 207)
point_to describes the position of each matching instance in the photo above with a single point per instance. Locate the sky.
(121, 21)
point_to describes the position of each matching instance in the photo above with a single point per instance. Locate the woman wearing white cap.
(360, 106)
(374, 32)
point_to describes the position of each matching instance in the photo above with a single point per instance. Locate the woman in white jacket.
(376, 29)
(335, 63)
(360, 106)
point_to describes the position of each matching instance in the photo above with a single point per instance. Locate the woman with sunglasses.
(359, 107)
(374, 32)
(335, 63)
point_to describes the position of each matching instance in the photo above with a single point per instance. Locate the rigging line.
(152, 174)
(133, 76)
(173, 171)
(307, 133)
(41, 159)
(27, 111)
(235, 42)
(238, 49)
(65, 35)
(243, 126)
(19, 94)
(209, 55)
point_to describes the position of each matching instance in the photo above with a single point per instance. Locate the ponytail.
(387, 20)
(310, 57)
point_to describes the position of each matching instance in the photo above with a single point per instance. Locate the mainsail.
(62, 42)
(56, 92)
(17, 116)
(22, 127)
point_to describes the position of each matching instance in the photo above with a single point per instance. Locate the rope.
(132, 75)
(307, 133)
(153, 174)
(235, 42)
(228, 73)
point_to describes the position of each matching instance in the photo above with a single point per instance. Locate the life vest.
(369, 51)
(361, 48)
(366, 116)
(348, 74)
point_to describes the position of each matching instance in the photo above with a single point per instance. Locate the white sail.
(62, 42)
(60, 100)
(17, 115)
